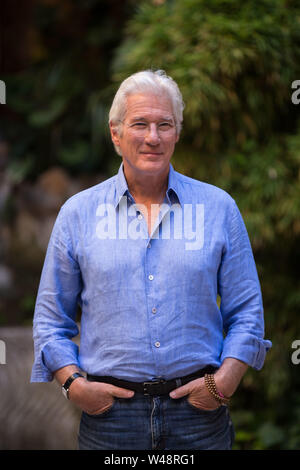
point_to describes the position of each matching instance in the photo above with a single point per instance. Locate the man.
(146, 254)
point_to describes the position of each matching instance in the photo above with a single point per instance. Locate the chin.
(153, 161)
(153, 167)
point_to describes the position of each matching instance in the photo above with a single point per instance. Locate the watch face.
(65, 392)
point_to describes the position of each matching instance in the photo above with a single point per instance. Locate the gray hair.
(146, 81)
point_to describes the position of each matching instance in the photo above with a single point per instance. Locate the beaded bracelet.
(209, 381)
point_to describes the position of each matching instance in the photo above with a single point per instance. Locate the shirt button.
(150, 277)
(157, 344)
(140, 217)
(154, 310)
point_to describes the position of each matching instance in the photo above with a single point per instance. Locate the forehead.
(148, 106)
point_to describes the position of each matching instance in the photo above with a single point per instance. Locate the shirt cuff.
(246, 348)
(54, 356)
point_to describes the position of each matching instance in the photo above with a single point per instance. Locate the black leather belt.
(153, 387)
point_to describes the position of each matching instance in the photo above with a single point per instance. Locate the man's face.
(148, 135)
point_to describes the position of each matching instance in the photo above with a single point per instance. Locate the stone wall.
(27, 213)
(32, 415)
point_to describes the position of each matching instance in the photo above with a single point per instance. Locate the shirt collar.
(122, 187)
(173, 187)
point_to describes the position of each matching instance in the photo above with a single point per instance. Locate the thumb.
(121, 392)
(180, 391)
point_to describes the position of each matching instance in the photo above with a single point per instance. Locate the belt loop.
(178, 383)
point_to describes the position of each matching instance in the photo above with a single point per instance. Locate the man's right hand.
(92, 397)
(95, 397)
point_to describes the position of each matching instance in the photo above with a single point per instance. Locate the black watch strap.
(67, 384)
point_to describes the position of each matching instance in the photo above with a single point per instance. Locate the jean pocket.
(202, 410)
(103, 413)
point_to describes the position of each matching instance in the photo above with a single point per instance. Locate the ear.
(114, 134)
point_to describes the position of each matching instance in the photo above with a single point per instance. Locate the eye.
(139, 125)
(165, 126)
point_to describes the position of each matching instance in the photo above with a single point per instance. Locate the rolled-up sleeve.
(241, 299)
(54, 323)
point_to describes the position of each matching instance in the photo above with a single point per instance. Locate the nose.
(152, 137)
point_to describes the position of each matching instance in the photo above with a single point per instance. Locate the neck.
(147, 188)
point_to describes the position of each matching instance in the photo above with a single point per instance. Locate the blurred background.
(235, 62)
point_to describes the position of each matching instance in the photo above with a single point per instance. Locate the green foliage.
(232, 60)
(59, 103)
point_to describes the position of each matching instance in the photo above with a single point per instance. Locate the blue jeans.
(154, 423)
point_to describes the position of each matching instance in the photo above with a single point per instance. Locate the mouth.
(151, 153)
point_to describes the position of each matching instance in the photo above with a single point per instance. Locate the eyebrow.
(169, 119)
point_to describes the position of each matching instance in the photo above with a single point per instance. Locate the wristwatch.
(65, 387)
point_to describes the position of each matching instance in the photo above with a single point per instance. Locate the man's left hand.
(198, 395)
(227, 379)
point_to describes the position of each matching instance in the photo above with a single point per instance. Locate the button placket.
(151, 272)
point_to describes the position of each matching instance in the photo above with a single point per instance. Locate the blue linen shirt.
(154, 306)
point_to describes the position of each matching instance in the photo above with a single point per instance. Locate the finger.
(180, 391)
(120, 392)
